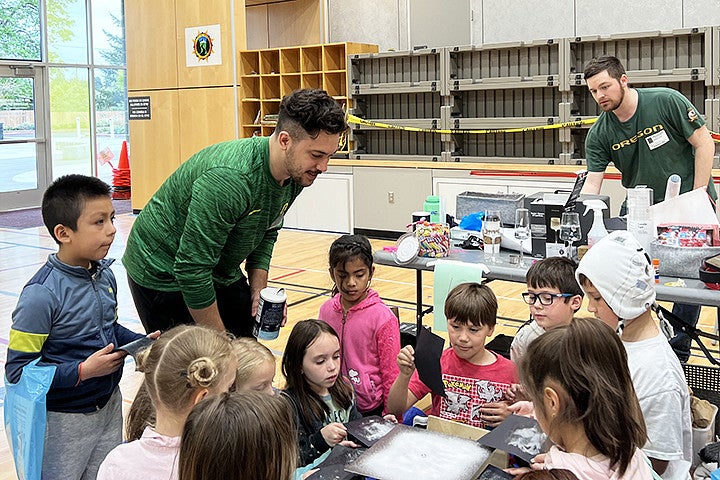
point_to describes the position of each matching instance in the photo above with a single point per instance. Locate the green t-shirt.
(220, 207)
(336, 413)
(651, 145)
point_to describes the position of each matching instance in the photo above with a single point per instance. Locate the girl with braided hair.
(369, 332)
(186, 364)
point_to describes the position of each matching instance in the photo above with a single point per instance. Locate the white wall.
(382, 22)
(400, 24)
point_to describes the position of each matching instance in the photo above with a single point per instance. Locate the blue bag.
(472, 221)
(25, 418)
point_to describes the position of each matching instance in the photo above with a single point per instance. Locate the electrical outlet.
(391, 197)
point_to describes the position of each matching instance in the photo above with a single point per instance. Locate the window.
(79, 45)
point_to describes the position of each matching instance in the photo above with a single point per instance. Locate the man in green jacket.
(221, 207)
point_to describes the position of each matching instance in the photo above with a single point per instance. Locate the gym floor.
(299, 265)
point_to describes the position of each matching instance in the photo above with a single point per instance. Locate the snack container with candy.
(434, 239)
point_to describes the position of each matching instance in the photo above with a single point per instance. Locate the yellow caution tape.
(359, 121)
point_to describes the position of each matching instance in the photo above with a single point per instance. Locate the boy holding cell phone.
(67, 316)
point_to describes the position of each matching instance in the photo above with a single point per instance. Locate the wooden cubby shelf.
(289, 60)
(269, 74)
(269, 62)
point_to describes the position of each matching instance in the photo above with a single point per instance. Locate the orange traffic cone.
(121, 176)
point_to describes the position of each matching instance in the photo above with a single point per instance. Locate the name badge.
(657, 140)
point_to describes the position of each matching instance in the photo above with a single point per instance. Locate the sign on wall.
(139, 108)
(203, 46)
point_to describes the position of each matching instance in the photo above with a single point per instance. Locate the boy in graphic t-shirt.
(475, 379)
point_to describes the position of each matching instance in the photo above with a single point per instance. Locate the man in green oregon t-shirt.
(648, 134)
(221, 207)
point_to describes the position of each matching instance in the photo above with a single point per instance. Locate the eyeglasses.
(545, 298)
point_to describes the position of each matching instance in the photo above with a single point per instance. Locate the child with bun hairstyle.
(186, 364)
(618, 279)
(369, 332)
(239, 435)
(256, 366)
(578, 380)
(322, 398)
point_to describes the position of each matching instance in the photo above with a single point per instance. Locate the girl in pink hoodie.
(369, 332)
(578, 379)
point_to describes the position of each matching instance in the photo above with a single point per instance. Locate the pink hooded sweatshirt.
(598, 467)
(369, 344)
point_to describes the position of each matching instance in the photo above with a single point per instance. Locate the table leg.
(418, 299)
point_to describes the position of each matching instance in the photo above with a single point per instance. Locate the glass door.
(24, 172)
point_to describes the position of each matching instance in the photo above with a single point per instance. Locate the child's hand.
(538, 462)
(517, 471)
(101, 363)
(349, 444)
(154, 335)
(494, 413)
(391, 418)
(334, 433)
(524, 408)
(406, 360)
(515, 393)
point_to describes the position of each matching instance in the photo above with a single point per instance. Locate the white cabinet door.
(324, 206)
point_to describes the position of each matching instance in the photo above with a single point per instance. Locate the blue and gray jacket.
(64, 315)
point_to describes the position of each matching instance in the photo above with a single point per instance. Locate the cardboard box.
(688, 235)
(462, 430)
(543, 207)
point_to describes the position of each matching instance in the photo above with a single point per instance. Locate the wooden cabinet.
(213, 123)
(269, 74)
(151, 45)
(190, 107)
(209, 12)
(154, 145)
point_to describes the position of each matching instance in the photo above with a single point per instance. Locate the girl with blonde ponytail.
(186, 364)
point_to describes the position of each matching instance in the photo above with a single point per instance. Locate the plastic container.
(505, 203)
(672, 189)
(432, 205)
(598, 230)
(639, 218)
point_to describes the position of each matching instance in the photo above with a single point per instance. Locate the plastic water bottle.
(673, 186)
(432, 205)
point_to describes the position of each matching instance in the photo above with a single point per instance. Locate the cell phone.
(135, 346)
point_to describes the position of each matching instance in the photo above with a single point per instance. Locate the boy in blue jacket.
(67, 316)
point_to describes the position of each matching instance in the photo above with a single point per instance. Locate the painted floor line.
(289, 274)
(21, 266)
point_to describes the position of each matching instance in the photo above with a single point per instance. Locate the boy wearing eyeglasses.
(553, 296)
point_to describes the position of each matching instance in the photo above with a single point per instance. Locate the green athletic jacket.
(220, 207)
